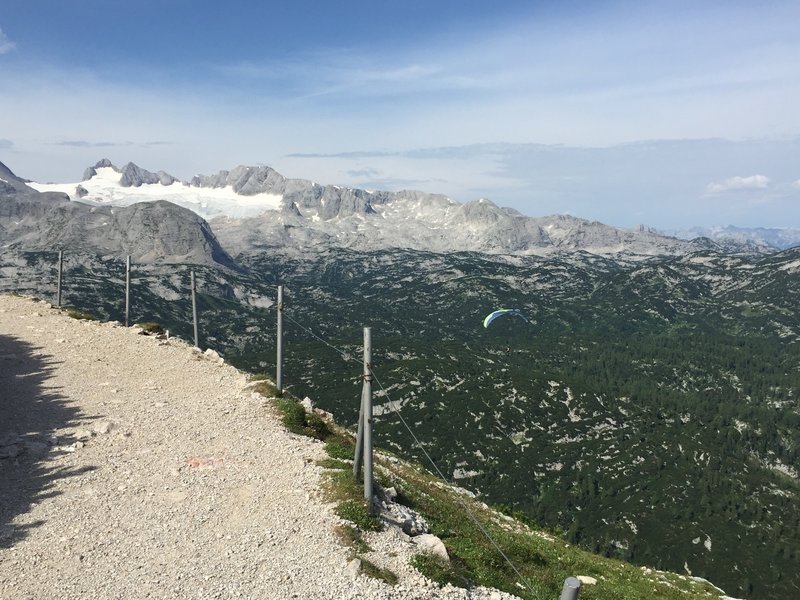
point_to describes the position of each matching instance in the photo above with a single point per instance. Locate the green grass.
(356, 512)
(370, 569)
(77, 313)
(266, 388)
(351, 537)
(151, 328)
(544, 561)
(297, 420)
(340, 448)
(347, 492)
(440, 571)
(293, 414)
(333, 463)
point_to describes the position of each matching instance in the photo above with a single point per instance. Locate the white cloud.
(796, 184)
(753, 182)
(6, 45)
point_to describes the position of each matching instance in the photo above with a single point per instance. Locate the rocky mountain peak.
(9, 182)
(134, 176)
(100, 164)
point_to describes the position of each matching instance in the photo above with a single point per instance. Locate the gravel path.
(132, 467)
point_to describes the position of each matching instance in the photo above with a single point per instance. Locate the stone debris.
(353, 568)
(102, 427)
(214, 356)
(83, 434)
(12, 446)
(432, 544)
(324, 415)
(399, 516)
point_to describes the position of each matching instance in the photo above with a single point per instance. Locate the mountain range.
(254, 208)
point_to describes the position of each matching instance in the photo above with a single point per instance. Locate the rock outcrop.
(149, 232)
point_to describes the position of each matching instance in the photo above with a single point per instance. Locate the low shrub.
(297, 420)
(351, 537)
(440, 571)
(370, 569)
(340, 448)
(151, 328)
(356, 512)
(77, 313)
(266, 389)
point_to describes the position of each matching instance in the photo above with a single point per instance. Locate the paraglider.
(515, 312)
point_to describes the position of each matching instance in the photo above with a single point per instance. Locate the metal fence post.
(60, 270)
(127, 290)
(194, 313)
(572, 586)
(359, 455)
(279, 343)
(367, 410)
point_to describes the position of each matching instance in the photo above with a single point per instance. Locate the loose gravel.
(137, 467)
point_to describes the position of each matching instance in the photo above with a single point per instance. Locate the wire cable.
(460, 500)
(346, 356)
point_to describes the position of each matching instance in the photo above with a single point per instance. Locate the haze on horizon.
(669, 115)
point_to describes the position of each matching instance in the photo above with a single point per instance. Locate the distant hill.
(766, 238)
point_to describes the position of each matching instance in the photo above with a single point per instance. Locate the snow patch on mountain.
(106, 187)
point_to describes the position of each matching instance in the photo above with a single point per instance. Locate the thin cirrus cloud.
(6, 45)
(733, 184)
(345, 73)
(85, 144)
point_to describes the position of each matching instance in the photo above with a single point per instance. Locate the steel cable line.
(346, 356)
(458, 498)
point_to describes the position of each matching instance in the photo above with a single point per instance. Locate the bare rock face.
(246, 181)
(162, 231)
(135, 176)
(92, 171)
(149, 232)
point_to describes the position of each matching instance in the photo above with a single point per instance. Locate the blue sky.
(671, 114)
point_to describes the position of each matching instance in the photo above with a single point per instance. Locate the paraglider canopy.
(503, 312)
